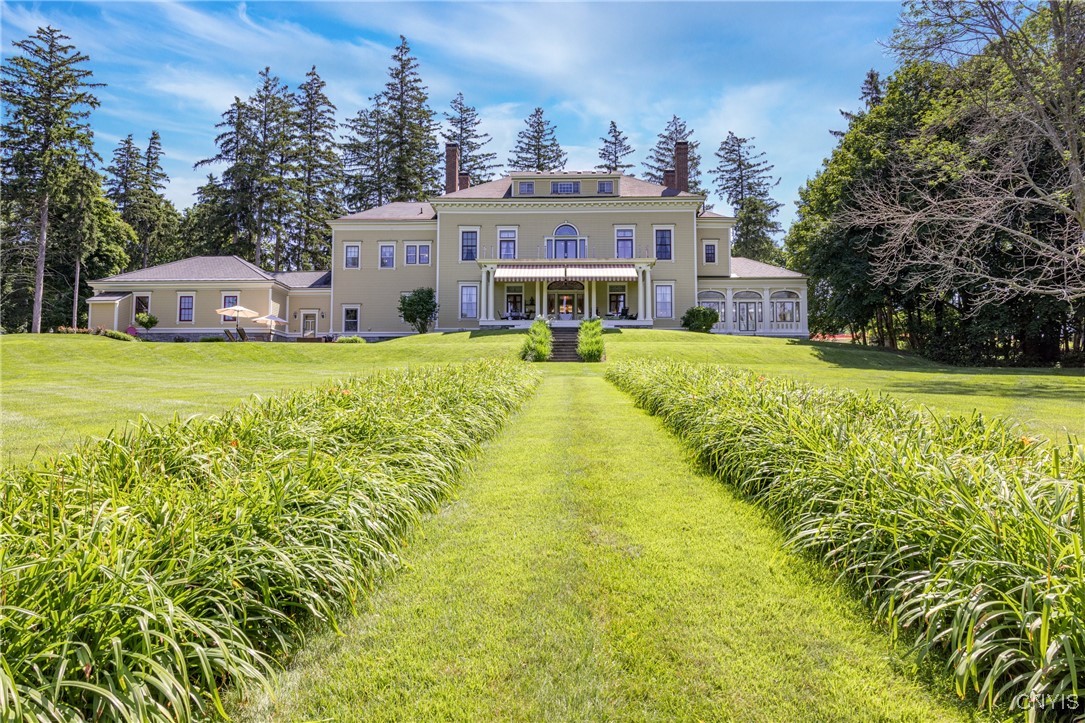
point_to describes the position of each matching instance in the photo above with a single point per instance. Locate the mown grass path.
(586, 573)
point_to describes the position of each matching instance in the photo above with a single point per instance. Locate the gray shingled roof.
(398, 211)
(198, 268)
(110, 296)
(743, 268)
(305, 279)
(629, 187)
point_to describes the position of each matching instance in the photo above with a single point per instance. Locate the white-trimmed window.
(616, 300)
(710, 252)
(564, 188)
(468, 301)
(352, 318)
(141, 304)
(352, 256)
(605, 187)
(514, 299)
(785, 306)
(664, 238)
(525, 188)
(229, 298)
(664, 301)
(387, 256)
(624, 238)
(506, 243)
(469, 244)
(186, 306)
(416, 254)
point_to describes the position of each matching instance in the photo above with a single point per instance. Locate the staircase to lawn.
(564, 349)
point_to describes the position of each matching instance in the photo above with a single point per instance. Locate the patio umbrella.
(271, 320)
(237, 311)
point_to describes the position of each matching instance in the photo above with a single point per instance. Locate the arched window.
(566, 229)
(565, 286)
(785, 307)
(713, 300)
(566, 243)
(747, 295)
(710, 296)
(747, 310)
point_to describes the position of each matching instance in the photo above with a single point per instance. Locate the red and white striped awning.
(544, 272)
(538, 272)
(608, 272)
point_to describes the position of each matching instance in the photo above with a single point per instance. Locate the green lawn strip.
(58, 389)
(586, 573)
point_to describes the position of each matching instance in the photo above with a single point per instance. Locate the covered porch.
(514, 294)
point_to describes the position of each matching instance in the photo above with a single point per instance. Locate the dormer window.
(564, 188)
(525, 188)
(606, 187)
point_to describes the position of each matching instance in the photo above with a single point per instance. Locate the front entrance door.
(566, 305)
(308, 324)
(747, 316)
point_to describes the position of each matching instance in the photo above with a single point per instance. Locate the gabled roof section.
(113, 296)
(198, 268)
(629, 187)
(304, 279)
(397, 211)
(744, 268)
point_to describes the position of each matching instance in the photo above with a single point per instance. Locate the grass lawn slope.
(586, 573)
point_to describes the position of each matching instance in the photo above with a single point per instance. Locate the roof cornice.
(519, 204)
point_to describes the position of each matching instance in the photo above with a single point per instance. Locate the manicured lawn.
(57, 389)
(585, 573)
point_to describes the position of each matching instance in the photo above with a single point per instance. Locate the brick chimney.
(668, 178)
(681, 165)
(452, 167)
(465, 180)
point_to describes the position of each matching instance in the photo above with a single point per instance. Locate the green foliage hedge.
(141, 573)
(963, 533)
(589, 340)
(700, 318)
(539, 342)
(350, 340)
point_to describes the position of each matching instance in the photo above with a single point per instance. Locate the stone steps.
(564, 349)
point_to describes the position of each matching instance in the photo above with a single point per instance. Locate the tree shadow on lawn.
(857, 357)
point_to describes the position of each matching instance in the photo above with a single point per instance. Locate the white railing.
(543, 251)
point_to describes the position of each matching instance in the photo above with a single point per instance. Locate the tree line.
(948, 219)
(287, 167)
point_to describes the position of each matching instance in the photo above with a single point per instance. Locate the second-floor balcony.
(559, 250)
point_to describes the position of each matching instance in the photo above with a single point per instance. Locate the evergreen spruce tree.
(206, 225)
(320, 175)
(236, 187)
(366, 152)
(744, 179)
(274, 166)
(537, 147)
(463, 128)
(662, 157)
(47, 98)
(123, 174)
(413, 154)
(614, 150)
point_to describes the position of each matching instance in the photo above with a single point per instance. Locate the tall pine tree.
(274, 155)
(744, 179)
(123, 178)
(320, 176)
(47, 98)
(236, 151)
(463, 128)
(537, 147)
(411, 126)
(662, 156)
(614, 150)
(366, 153)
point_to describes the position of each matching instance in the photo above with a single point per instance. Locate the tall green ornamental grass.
(539, 342)
(141, 574)
(964, 534)
(589, 340)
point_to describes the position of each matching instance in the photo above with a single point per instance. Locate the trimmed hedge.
(963, 533)
(539, 342)
(141, 573)
(589, 340)
(350, 340)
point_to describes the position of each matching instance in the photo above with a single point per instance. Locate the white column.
(491, 273)
(767, 307)
(482, 296)
(730, 311)
(803, 313)
(538, 298)
(649, 295)
(640, 293)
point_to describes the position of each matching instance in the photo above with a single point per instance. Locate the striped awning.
(541, 272)
(609, 272)
(529, 273)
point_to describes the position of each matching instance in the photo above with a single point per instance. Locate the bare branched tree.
(1012, 189)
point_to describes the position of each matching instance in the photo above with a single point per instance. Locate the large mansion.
(567, 245)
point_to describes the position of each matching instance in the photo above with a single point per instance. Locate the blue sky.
(776, 71)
